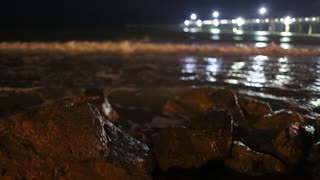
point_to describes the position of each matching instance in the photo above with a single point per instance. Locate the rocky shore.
(196, 133)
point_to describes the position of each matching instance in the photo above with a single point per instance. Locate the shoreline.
(128, 48)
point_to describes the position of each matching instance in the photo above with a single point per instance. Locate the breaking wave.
(127, 47)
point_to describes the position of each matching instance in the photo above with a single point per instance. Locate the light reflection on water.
(287, 74)
(254, 71)
(261, 38)
(256, 76)
(282, 78)
(203, 69)
(261, 44)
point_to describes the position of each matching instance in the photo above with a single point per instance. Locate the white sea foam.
(126, 47)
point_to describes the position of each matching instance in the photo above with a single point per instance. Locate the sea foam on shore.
(127, 47)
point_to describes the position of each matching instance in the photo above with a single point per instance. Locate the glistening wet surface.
(32, 79)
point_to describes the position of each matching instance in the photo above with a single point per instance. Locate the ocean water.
(39, 67)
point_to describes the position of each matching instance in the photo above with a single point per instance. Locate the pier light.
(193, 16)
(306, 19)
(293, 19)
(267, 20)
(240, 21)
(262, 11)
(287, 20)
(187, 23)
(314, 19)
(215, 14)
(199, 23)
(224, 21)
(281, 20)
(257, 20)
(216, 22)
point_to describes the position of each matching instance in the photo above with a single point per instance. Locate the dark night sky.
(106, 12)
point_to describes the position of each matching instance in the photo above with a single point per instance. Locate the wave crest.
(126, 47)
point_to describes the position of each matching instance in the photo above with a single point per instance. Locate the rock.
(254, 109)
(246, 161)
(70, 139)
(190, 102)
(277, 121)
(292, 143)
(185, 148)
(317, 126)
(196, 101)
(313, 161)
(218, 124)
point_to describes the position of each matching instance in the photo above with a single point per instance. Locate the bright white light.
(314, 19)
(237, 31)
(216, 22)
(286, 34)
(263, 10)
(186, 22)
(293, 19)
(233, 21)
(277, 20)
(215, 14)
(287, 20)
(193, 16)
(240, 21)
(199, 23)
(224, 21)
(207, 22)
(234, 30)
(267, 20)
(285, 40)
(281, 19)
(215, 31)
(285, 46)
(262, 33)
(306, 19)
(261, 38)
(261, 44)
(257, 20)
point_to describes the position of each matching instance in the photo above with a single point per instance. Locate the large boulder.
(277, 121)
(207, 138)
(246, 161)
(70, 139)
(196, 101)
(254, 109)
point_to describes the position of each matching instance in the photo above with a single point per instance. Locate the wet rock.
(317, 126)
(70, 139)
(246, 161)
(197, 101)
(207, 137)
(218, 124)
(254, 109)
(15, 102)
(317, 109)
(185, 148)
(313, 165)
(278, 120)
(289, 144)
(190, 102)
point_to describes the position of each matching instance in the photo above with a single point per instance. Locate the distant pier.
(282, 26)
